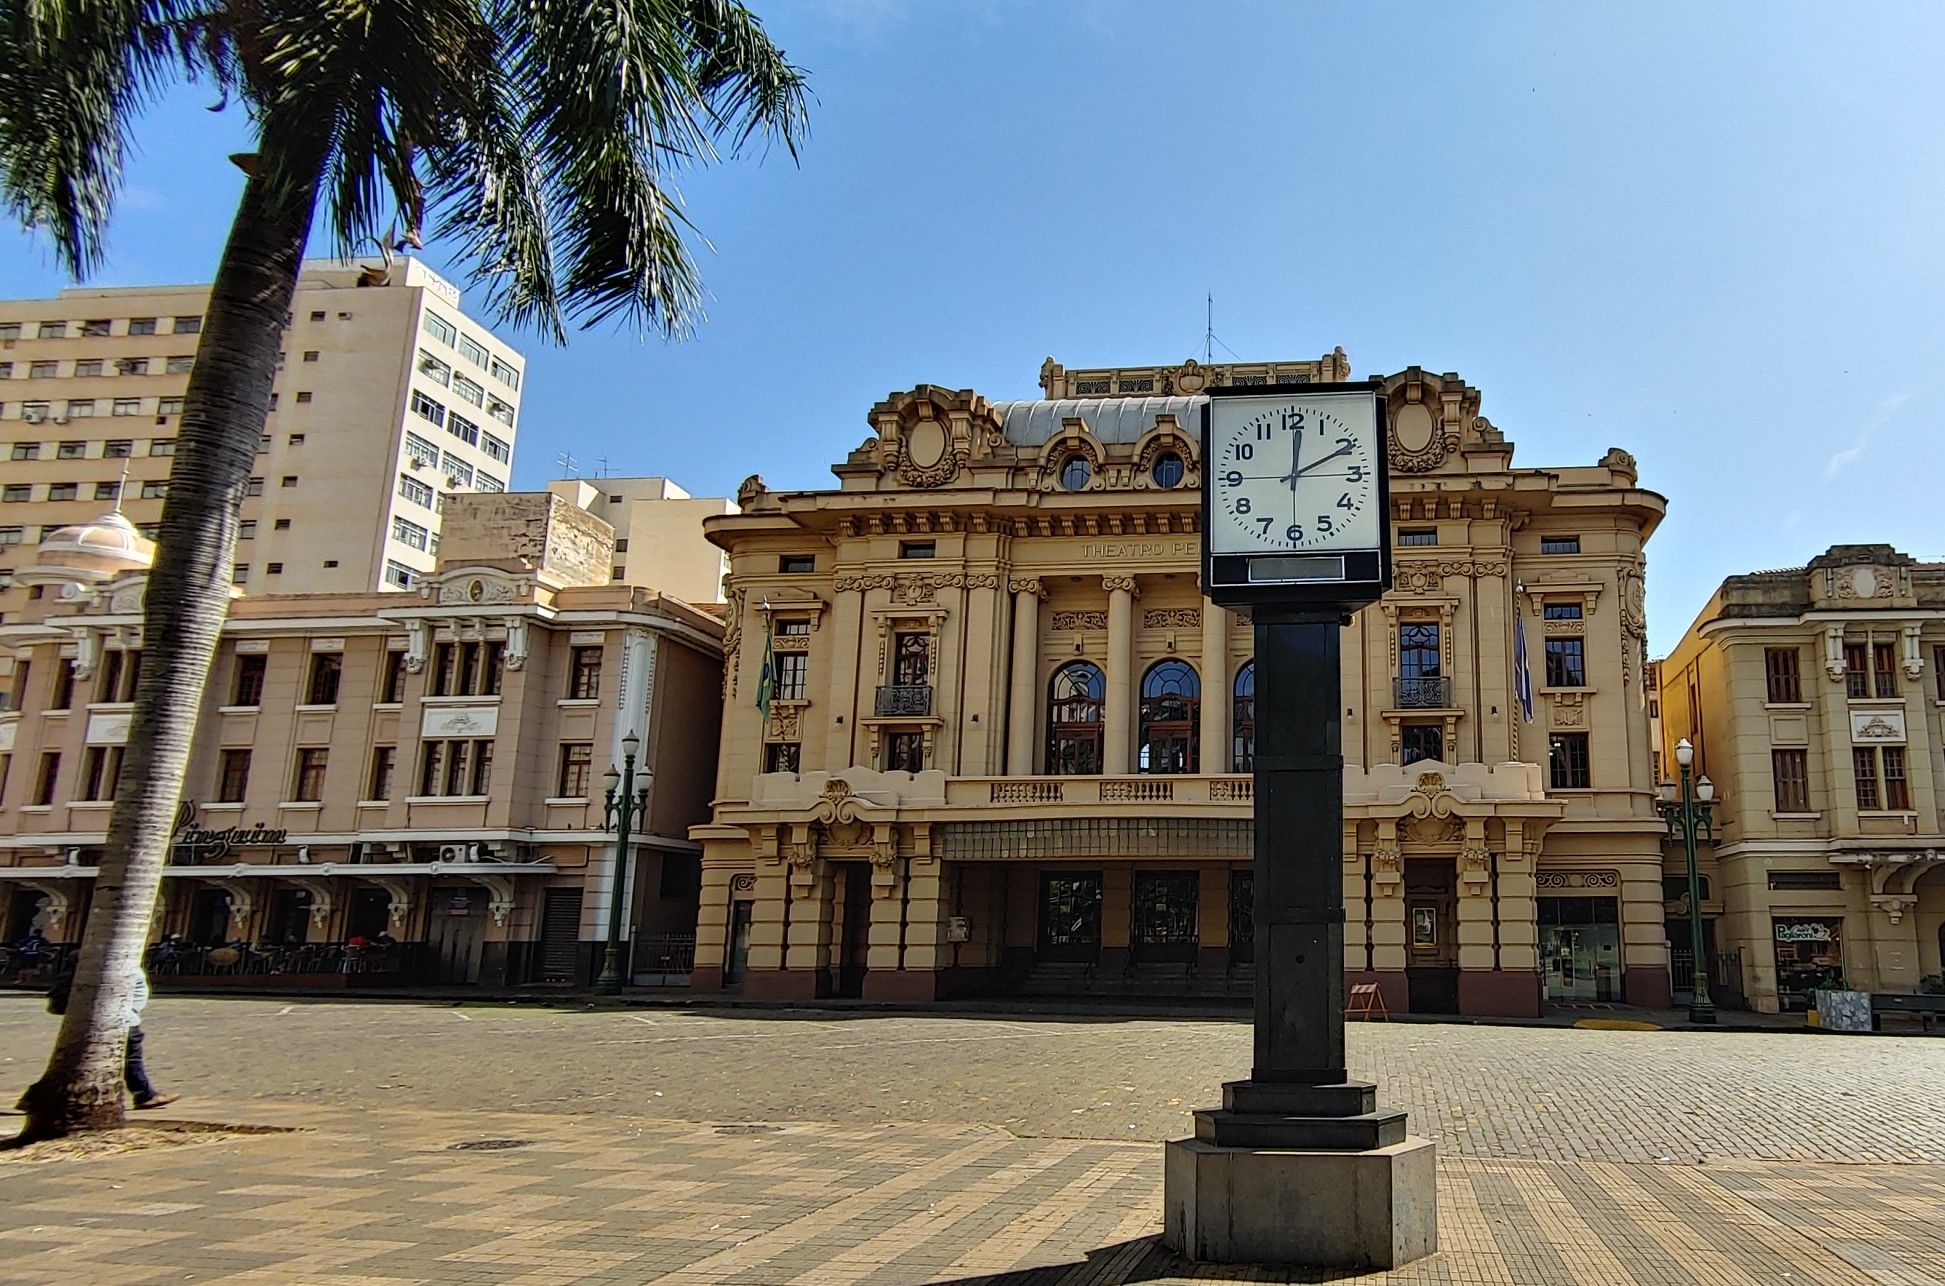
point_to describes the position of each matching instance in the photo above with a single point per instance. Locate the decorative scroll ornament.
(1126, 584)
(1172, 618)
(846, 582)
(1074, 621)
(1028, 585)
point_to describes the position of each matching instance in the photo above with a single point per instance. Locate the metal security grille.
(1082, 837)
(560, 932)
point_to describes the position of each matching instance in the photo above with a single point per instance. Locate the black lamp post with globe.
(625, 807)
(1686, 810)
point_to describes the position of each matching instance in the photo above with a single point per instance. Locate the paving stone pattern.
(910, 1150)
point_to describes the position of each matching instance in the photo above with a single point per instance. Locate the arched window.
(1242, 738)
(1075, 704)
(1171, 704)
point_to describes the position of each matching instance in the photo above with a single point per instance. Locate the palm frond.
(73, 77)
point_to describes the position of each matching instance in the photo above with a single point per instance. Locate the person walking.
(134, 1074)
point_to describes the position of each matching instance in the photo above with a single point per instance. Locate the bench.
(1929, 1008)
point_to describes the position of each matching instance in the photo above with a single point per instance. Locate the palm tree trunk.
(187, 599)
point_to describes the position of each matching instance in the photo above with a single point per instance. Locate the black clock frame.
(1363, 576)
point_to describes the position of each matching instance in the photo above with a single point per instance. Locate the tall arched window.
(1074, 707)
(1171, 704)
(1242, 738)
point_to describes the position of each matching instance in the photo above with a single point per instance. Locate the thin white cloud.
(1842, 460)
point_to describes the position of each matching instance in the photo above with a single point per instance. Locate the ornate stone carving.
(1428, 576)
(914, 591)
(1172, 618)
(785, 719)
(1072, 621)
(1028, 585)
(516, 648)
(751, 488)
(475, 589)
(1577, 880)
(417, 646)
(1569, 710)
(1866, 582)
(1475, 863)
(732, 639)
(87, 652)
(1566, 629)
(742, 882)
(845, 582)
(128, 598)
(1387, 864)
(1634, 622)
(1126, 584)
(1894, 905)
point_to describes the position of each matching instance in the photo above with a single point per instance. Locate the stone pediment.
(844, 796)
(1430, 788)
(475, 587)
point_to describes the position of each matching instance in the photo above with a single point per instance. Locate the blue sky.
(1708, 234)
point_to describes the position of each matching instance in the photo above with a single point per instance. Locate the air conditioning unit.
(450, 853)
(34, 417)
(416, 462)
(60, 419)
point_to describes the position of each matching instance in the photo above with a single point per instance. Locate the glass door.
(1165, 915)
(1070, 916)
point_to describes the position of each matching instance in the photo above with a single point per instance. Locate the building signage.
(1803, 931)
(202, 842)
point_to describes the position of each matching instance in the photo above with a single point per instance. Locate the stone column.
(841, 717)
(1023, 683)
(1217, 694)
(712, 929)
(1117, 727)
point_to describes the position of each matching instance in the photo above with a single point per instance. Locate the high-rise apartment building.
(658, 528)
(387, 397)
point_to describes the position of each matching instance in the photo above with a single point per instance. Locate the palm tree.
(539, 136)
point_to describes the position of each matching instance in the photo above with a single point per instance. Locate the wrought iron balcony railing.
(904, 699)
(1423, 693)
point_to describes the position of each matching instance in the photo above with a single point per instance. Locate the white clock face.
(1293, 472)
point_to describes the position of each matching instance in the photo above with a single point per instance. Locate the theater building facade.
(982, 734)
(384, 788)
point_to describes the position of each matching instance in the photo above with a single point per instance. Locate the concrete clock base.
(1323, 1209)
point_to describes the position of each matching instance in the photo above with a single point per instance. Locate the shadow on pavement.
(1147, 1260)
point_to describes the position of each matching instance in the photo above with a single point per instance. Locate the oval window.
(1168, 470)
(1075, 472)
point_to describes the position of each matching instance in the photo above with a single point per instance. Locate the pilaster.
(1217, 694)
(845, 656)
(1118, 721)
(1023, 682)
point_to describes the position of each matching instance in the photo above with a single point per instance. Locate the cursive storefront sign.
(196, 841)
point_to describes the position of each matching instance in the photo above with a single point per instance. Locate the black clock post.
(1298, 1165)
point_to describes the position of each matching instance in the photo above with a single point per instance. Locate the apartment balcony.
(903, 700)
(1433, 693)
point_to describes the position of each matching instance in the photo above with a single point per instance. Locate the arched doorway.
(1077, 699)
(1171, 706)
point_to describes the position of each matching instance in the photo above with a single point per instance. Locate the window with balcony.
(910, 690)
(1171, 704)
(467, 669)
(308, 788)
(1418, 741)
(577, 767)
(101, 772)
(1076, 704)
(246, 687)
(232, 776)
(783, 756)
(584, 674)
(456, 766)
(1421, 681)
(905, 752)
(1566, 663)
(1567, 761)
(1789, 772)
(1781, 674)
(322, 687)
(1242, 735)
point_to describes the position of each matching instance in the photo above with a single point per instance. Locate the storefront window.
(1809, 955)
(1580, 947)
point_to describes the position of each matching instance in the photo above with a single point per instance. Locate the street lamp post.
(625, 806)
(1686, 809)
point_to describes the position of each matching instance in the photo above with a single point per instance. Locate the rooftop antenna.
(567, 464)
(601, 467)
(121, 486)
(1209, 330)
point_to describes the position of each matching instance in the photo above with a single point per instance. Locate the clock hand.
(1325, 460)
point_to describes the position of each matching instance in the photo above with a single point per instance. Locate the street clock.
(1294, 496)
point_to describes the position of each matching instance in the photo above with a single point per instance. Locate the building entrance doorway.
(854, 944)
(1580, 948)
(23, 910)
(736, 962)
(1164, 928)
(290, 917)
(456, 936)
(1070, 917)
(1431, 937)
(209, 917)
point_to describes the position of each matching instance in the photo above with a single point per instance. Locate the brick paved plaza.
(657, 1145)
